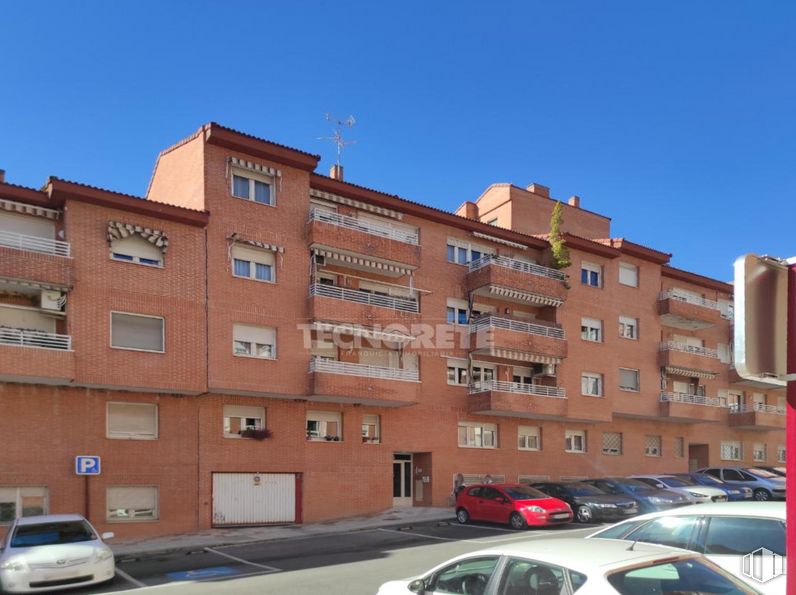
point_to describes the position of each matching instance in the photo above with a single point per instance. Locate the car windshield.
(682, 576)
(582, 489)
(524, 493)
(710, 480)
(779, 470)
(634, 485)
(52, 534)
(762, 473)
(675, 482)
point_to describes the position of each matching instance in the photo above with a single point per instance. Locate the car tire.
(762, 495)
(517, 522)
(462, 516)
(584, 514)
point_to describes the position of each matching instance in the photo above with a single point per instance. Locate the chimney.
(2, 176)
(471, 210)
(336, 172)
(539, 189)
(574, 201)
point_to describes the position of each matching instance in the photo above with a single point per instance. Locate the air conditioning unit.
(52, 300)
(549, 370)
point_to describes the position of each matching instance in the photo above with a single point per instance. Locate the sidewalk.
(131, 548)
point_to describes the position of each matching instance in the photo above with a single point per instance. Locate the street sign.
(87, 465)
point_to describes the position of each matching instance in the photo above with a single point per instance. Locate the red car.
(515, 504)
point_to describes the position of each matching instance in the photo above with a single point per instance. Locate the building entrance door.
(402, 479)
(698, 456)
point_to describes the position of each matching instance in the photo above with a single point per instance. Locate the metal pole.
(87, 493)
(790, 439)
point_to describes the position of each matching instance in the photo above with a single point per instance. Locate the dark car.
(589, 503)
(649, 499)
(734, 493)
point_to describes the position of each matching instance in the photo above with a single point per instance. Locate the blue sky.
(674, 118)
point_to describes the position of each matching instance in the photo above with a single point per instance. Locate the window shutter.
(132, 420)
(136, 332)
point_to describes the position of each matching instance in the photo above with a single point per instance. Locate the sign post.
(87, 465)
(790, 424)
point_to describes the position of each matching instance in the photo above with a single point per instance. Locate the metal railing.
(364, 297)
(761, 407)
(538, 390)
(319, 364)
(685, 348)
(517, 265)
(20, 241)
(689, 298)
(370, 227)
(31, 338)
(520, 326)
(694, 399)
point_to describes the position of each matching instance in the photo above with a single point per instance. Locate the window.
(131, 503)
(529, 438)
(731, 450)
(591, 384)
(628, 274)
(723, 536)
(253, 187)
(734, 399)
(759, 452)
(465, 576)
(19, 502)
(460, 252)
(136, 249)
(457, 311)
(371, 431)
(132, 421)
(238, 418)
(781, 453)
(612, 443)
(457, 372)
(254, 341)
(679, 447)
(483, 372)
(522, 576)
(628, 379)
(575, 441)
(249, 263)
(591, 274)
(324, 425)
(521, 375)
(628, 327)
(137, 332)
(477, 435)
(591, 329)
(652, 446)
(674, 531)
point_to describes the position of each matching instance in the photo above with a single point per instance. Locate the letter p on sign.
(87, 465)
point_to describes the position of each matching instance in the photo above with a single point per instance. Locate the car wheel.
(462, 516)
(584, 514)
(762, 495)
(516, 521)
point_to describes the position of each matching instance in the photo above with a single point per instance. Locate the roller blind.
(132, 420)
(130, 331)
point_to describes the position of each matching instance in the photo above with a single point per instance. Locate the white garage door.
(253, 498)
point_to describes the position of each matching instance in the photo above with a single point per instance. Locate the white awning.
(255, 167)
(524, 296)
(497, 240)
(33, 284)
(517, 355)
(26, 209)
(361, 331)
(118, 230)
(680, 371)
(262, 245)
(384, 266)
(357, 204)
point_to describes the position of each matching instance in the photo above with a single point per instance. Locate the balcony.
(329, 302)
(764, 382)
(686, 311)
(686, 408)
(18, 261)
(757, 416)
(689, 360)
(35, 356)
(362, 236)
(345, 382)
(516, 281)
(515, 399)
(20, 241)
(493, 334)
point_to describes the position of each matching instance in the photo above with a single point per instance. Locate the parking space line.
(484, 528)
(242, 561)
(419, 535)
(129, 578)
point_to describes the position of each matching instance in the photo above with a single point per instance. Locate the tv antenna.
(337, 137)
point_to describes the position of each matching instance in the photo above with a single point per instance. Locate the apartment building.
(252, 336)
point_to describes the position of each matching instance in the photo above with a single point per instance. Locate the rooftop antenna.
(337, 137)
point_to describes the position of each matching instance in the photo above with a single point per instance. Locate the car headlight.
(697, 495)
(534, 509)
(656, 500)
(103, 554)
(15, 564)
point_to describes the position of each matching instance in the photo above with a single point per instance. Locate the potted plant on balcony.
(260, 434)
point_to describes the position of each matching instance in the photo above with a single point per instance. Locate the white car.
(696, 494)
(564, 566)
(725, 533)
(53, 552)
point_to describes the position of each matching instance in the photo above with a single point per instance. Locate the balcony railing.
(364, 297)
(682, 296)
(370, 227)
(761, 407)
(319, 364)
(538, 390)
(694, 399)
(519, 326)
(685, 348)
(32, 338)
(517, 265)
(21, 241)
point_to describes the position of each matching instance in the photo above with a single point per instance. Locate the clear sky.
(676, 118)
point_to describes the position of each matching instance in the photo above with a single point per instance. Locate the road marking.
(231, 557)
(129, 578)
(420, 535)
(484, 528)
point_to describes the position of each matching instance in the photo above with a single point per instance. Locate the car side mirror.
(108, 535)
(660, 486)
(502, 500)
(417, 586)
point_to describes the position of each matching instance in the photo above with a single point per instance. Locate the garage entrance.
(256, 499)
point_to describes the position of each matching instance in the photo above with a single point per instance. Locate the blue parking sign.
(87, 465)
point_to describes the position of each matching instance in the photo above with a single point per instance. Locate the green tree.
(557, 245)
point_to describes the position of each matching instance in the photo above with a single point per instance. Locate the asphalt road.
(350, 563)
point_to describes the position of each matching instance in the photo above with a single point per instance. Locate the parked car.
(765, 485)
(696, 494)
(734, 493)
(588, 502)
(564, 566)
(53, 552)
(775, 470)
(649, 499)
(515, 504)
(723, 532)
